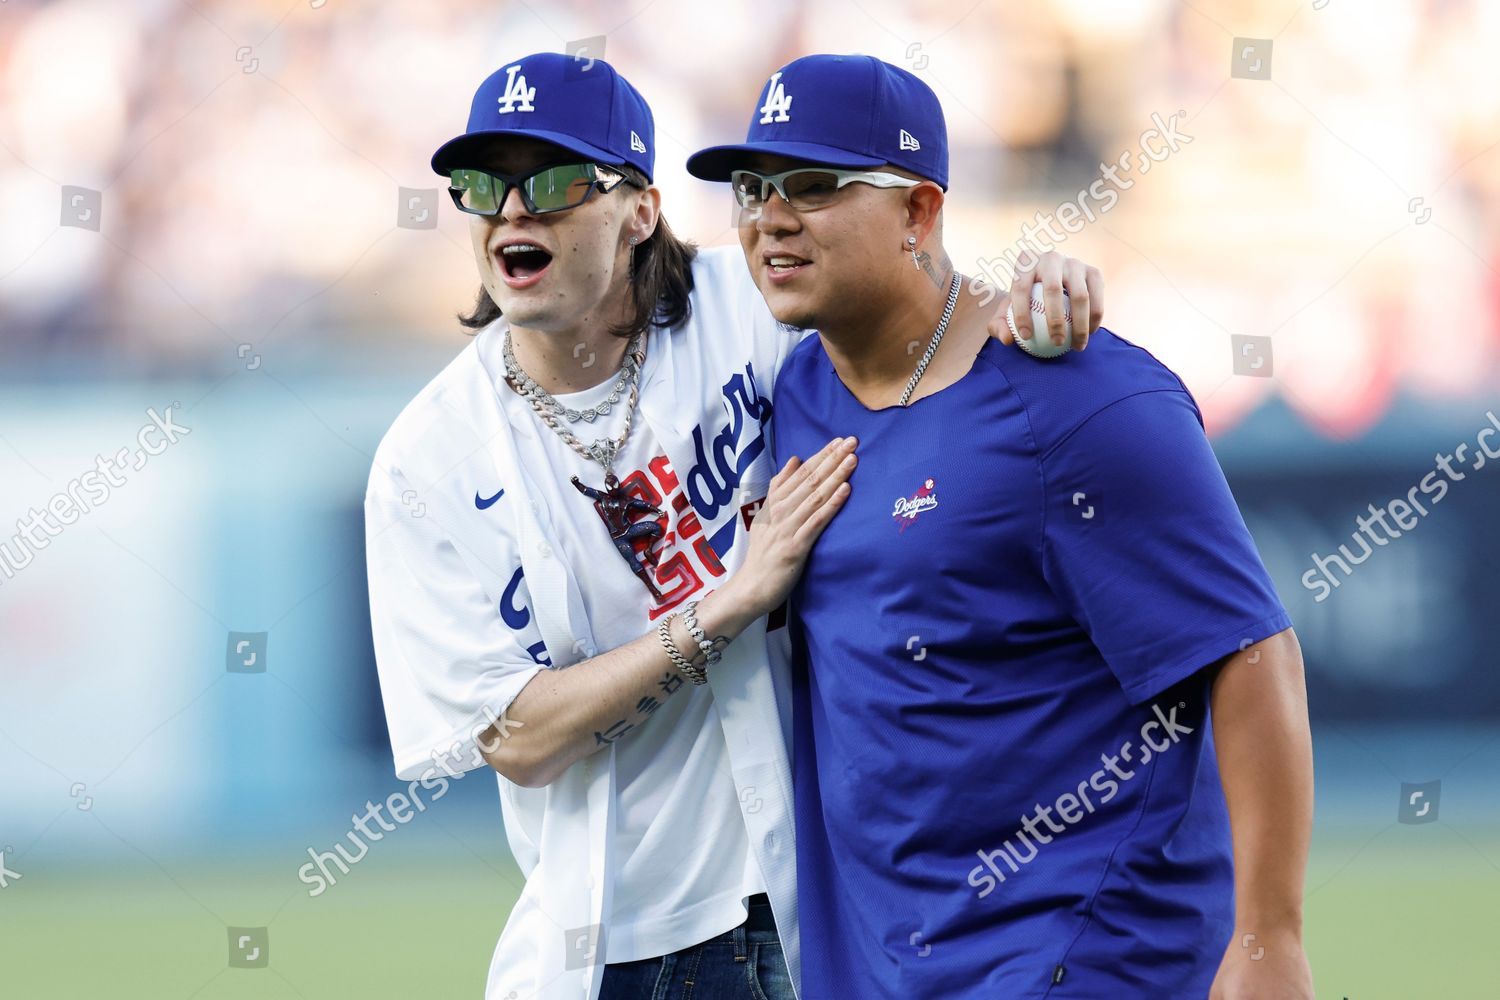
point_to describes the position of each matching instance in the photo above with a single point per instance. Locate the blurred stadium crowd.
(250, 153)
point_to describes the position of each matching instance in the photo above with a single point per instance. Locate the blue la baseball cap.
(582, 105)
(841, 111)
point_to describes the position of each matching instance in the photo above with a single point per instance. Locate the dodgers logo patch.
(907, 508)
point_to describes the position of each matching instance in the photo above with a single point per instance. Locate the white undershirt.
(684, 861)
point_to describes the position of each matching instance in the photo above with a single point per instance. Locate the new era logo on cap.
(636, 143)
(851, 111)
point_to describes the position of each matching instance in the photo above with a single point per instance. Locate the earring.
(911, 246)
(634, 240)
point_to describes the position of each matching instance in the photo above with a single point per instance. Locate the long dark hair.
(661, 281)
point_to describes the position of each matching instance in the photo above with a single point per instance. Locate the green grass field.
(1408, 914)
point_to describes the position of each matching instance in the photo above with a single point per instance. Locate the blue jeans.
(743, 963)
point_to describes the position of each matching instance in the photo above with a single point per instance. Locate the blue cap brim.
(454, 153)
(716, 163)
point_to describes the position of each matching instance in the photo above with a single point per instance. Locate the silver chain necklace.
(634, 524)
(547, 407)
(529, 388)
(937, 338)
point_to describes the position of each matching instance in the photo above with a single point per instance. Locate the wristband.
(690, 619)
(664, 633)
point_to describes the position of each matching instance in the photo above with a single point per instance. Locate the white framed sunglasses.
(807, 189)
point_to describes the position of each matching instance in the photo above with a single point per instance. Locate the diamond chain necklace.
(547, 407)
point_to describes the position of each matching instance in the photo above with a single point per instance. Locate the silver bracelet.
(690, 619)
(664, 633)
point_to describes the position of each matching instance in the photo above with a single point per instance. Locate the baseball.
(1040, 345)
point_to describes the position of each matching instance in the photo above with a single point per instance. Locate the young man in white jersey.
(576, 491)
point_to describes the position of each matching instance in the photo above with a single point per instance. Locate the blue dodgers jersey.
(1005, 777)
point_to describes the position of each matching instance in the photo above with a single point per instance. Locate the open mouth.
(524, 261)
(782, 267)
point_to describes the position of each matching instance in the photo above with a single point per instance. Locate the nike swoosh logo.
(483, 504)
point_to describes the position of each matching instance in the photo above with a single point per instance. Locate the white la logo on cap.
(636, 143)
(517, 96)
(778, 104)
(909, 141)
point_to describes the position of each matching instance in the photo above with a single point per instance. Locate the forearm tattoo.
(666, 686)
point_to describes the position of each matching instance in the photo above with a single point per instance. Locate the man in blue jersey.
(1050, 723)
